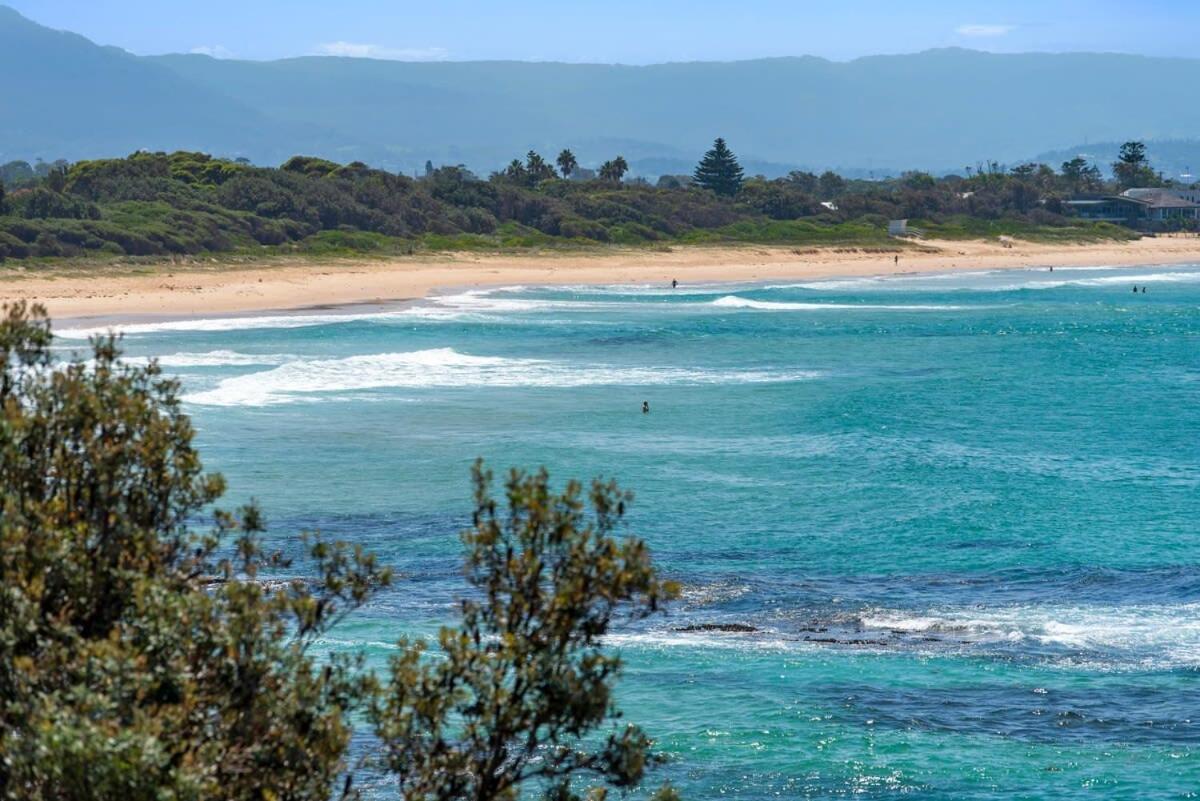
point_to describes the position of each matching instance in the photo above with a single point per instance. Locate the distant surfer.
(645, 407)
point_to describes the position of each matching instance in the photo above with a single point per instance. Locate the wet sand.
(206, 288)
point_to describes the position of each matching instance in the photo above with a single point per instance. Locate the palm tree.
(537, 168)
(566, 163)
(614, 170)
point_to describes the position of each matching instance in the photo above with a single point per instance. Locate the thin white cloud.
(357, 50)
(216, 51)
(977, 30)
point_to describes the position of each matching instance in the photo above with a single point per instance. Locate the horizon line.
(651, 64)
(627, 64)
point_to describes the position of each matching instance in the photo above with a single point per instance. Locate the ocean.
(961, 512)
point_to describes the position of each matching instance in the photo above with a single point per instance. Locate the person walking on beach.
(897, 258)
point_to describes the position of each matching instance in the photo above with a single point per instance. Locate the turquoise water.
(961, 512)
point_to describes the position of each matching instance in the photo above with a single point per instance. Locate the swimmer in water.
(645, 407)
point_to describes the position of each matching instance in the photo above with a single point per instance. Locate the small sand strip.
(204, 289)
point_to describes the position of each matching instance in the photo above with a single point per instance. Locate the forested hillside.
(65, 97)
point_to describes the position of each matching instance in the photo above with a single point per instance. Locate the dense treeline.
(158, 204)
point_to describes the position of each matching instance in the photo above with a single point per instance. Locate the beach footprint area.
(937, 534)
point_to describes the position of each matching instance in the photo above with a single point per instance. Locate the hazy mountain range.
(64, 96)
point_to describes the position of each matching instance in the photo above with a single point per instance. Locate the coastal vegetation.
(164, 205)
(719, 171)
(1132, 168)
(143, 656)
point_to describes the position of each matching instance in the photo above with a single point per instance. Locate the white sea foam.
(215, 358)
(1108, 638)
(218, 324)
(1100, 281)
(445, 367)
(995, 280)
(1092, 268)
(736, 302)
(905, 281)
(714, 592)
(1189, 277)
(656, 289)
(440, 310)
(484, 300)
(1159, 634)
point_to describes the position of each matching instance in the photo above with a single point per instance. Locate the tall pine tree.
(719, 170)
(1132, 168)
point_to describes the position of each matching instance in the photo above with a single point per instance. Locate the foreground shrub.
(141, 659)
(523, 680)
(138, 659)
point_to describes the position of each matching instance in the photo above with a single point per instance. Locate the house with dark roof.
(1140, 207)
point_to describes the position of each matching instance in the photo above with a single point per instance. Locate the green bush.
(11, 247)
(346, 241)
(47, 245)
(515, 235)
(793, 232)
(459, 242)
(576, 228)
(632, 233)
(964, 227)
(152, 649)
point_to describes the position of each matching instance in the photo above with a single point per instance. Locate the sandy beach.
(199, 288)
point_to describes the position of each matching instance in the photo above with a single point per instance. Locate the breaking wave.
(409, 314)
(447, 368)
(487, 301)
(736, 302)
(1159, 635)
(216, 358)
(1100, 637)
(995, 280)
(217, 324)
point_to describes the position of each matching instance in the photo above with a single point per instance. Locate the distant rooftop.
(1159, 198)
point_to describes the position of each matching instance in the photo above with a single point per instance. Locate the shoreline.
(196, 289)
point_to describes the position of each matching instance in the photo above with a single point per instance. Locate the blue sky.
(624, 31)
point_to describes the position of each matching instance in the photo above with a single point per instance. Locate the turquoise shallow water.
(962, 512)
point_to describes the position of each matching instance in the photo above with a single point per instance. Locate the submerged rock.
(838, 641)
(739, 628)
